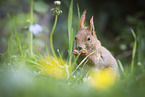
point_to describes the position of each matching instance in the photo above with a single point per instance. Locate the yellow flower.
(102, 79)
(54, 67)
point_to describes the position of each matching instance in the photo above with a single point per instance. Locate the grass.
(22, 75)
(51, 35)
(133, 51)
(70, 31)
(31, 23)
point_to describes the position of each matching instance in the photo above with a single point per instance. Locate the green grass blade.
(16, 38)
(31, 23)
(47, 50)
(73, 64)
(71, 42)
(10, 47)
(78, 9)
(60, 56)
(70, 31)
(121, 67)
(37, 53)
(133, 51)
(83, 61)
(30, 61)
(19, 43)
(70, 15)
(70, 47)
(31, 12)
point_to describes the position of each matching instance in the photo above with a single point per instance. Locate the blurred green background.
(112, 18)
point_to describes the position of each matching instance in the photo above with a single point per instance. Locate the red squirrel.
(86, 42)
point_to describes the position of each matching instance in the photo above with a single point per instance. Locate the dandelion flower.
(102, 79)
(54, 67)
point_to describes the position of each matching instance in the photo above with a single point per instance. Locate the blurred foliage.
(112, 20)
(20, 75)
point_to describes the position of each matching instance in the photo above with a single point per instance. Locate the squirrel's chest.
(95, 60)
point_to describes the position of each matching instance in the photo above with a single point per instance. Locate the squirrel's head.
(86, 37)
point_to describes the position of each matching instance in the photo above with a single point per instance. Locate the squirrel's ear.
(82, 20)
(91, 27)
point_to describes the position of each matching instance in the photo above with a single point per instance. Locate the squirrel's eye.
(89, 38)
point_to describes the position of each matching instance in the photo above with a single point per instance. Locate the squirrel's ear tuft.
(82, 20)
(91, 27)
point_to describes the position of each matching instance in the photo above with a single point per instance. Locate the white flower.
(35, 29)
(57, 2)
(139, 63)
(28, 20)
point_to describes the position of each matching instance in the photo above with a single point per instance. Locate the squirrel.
(86, 42)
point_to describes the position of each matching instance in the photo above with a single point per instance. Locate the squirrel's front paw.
(75, 52)
(83, 51)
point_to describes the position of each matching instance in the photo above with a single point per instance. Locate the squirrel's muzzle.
(80, 47)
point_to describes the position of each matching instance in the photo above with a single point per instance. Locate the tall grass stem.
(78, 9)
(70, 31)
(133, 51)
(51, 37)
(31, 23)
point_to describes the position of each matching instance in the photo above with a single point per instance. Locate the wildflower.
(56, 10)
(102, 79)
(139, 63)
(54, 67)
(35, 29)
